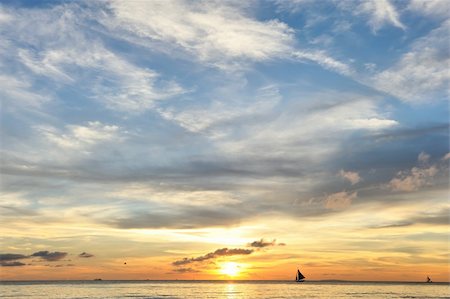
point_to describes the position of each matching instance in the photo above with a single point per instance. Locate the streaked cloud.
(12, 264)
(439, 217)
(262, 243)
(324, 60)
(85, 255)
(50, 256)
(6, 257)
(213, 255)
(185, 270)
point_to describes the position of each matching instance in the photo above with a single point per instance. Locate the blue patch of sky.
(424, 114)
(33, 3)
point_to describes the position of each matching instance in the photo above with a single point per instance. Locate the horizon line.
(220, 280)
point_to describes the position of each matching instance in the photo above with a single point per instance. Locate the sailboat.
(299, 276)
(429, 279)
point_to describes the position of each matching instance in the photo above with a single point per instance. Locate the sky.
(225, 139)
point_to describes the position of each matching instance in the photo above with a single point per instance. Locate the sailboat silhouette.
(299, 277)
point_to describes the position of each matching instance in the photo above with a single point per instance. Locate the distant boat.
(98, 279)
(429, 279)
(299, 277)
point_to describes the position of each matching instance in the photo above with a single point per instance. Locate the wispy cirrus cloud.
(51, 44)
(224, 35)
(421, 74)
(435, 8)
(324, 60)
(380, 13)
(225, 111)
(377, 13)
(78, 137)
(212, 32)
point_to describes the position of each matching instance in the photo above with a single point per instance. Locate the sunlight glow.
(230, 268)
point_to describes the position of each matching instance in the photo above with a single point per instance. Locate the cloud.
(423, 158)
(413, 179)
(50, 256)
(340, 200)
(10, 259)
(214, 32)
(19, 92)
(85, 255)
(292, 6)
(421, 75)
(55, 48)
(439, 217)
(352, 177)
(213, 255)
(305, 130)
(234, 106)
(6, 257)
(261, 243)
(185, 270)
(180, 217)
(78, 137)
(327, 62)
(380, 13)
(437, 8)
(377, 13)
(417, 177)
(11, 264)
(221, 34)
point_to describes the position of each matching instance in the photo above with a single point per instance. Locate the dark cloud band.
(213, 255)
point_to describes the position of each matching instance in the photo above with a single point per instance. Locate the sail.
(300, 275)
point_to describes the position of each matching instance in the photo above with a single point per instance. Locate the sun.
(230, 268)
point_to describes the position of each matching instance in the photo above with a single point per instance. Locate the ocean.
(221, 289)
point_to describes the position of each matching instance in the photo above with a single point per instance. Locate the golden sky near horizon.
(346, 246)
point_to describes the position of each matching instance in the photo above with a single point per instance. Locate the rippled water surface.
(226, 290)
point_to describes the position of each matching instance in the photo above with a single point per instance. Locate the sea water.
(221, 289)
